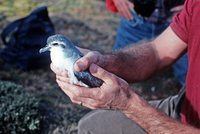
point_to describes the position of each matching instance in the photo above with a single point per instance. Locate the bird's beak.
(44, 49)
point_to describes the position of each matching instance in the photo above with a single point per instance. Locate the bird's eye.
(63, 46)
(55, 44)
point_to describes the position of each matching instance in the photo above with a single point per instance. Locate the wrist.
(135, 104)
(107, 61)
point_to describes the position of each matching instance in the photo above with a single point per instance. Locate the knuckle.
(102, 96)
(79, 93)
(73, 98)
(85, 60)
(103, 73)
(96, 93)
(114, 79)
(123, 84)
(96, 57)
(92, 53)
(95, 105)
(95, 53)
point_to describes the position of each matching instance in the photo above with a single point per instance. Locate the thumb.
(84, 62)
(83, 50)
(101, 73)
(81, 64)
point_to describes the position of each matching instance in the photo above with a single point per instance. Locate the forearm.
(133, 63)
(141, 61)
(153, 121)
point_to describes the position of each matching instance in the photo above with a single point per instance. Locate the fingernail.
(78, 66)
(93, 68)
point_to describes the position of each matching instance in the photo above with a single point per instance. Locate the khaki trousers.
(115, 122)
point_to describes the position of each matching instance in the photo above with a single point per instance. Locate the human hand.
(89, 58)
(176, 9)
(83, 50)
(124, 8)
(113, 94)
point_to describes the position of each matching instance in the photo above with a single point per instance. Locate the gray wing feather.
(87, 78)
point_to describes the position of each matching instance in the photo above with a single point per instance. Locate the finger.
(131, 8)
(79, 91)
(54, 69)
(102, 74)
(127, 12)
(63, 79)
(58, 71)
(74, 97)
(122, 11)
(89, 98)
(176, 8)
(77, 98)
(70, 94)
(130, 5)
(91, 103)
(94, 104)
(84, 62)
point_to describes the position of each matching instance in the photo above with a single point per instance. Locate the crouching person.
(117, 108)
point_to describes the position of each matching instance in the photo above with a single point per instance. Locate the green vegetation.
(19, 111)
(16, 7)
(84, 10)
(12, 8)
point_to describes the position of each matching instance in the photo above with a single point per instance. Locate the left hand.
(124, 7)
(115, 93)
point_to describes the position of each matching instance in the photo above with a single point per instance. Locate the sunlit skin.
(124, 8)
(142, 61)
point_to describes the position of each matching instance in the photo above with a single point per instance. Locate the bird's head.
(57, 41)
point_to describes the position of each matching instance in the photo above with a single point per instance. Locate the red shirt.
(187, 26)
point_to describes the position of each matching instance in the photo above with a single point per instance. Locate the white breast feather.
(60, 61)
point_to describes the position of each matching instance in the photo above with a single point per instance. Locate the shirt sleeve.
(181, 22)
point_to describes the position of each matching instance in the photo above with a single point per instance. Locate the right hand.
(91, 57)
(124, 8)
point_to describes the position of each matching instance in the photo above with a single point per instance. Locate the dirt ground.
(96, 34)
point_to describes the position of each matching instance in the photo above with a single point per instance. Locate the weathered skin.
(63, 55)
